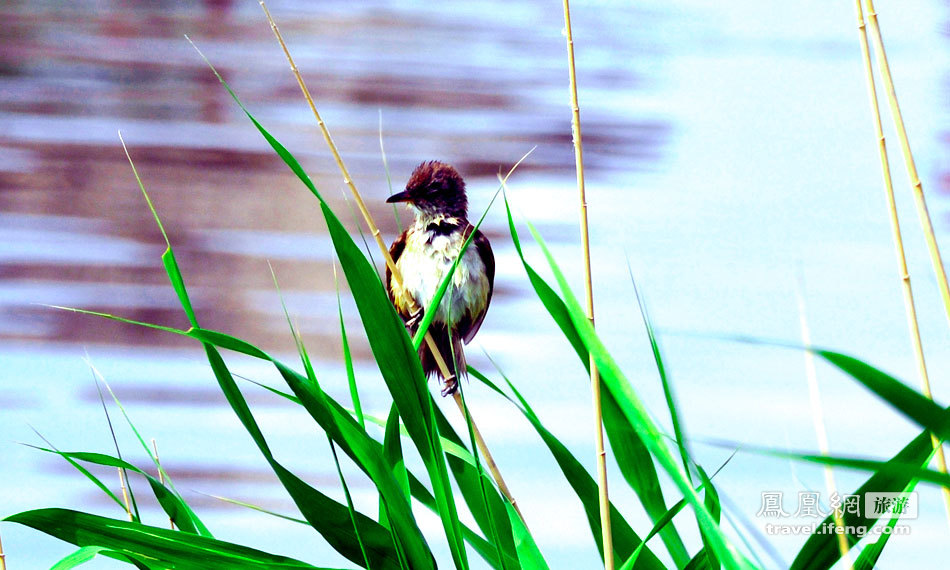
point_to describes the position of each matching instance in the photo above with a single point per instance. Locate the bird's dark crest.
(437, 186)
(435, 174)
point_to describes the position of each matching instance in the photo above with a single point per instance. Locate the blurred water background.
(730, 160)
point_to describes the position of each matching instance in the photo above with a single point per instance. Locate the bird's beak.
(400, 197)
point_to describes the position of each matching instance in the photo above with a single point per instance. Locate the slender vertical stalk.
(606, 534)
(818, 417)
(125, 494)
(3, 558)
(389, 179)
(396, 275)
(915, 183)
(919, 199)
(161, 472)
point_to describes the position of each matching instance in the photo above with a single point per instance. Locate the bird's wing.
(485, 253)
(395, 250)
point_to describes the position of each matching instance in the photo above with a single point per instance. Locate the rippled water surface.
(730, 160)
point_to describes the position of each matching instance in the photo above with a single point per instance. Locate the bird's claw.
(451, 385)
(414, 319)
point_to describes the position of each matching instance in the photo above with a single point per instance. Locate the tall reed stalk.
(125, 494)
(919, 199)
(911, 166)
(3, 558)
(606, 534)
(396, 275)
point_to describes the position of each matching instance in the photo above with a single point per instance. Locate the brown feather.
(483, 248)
(395, 250)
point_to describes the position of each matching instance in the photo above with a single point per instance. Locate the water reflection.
(77, 73)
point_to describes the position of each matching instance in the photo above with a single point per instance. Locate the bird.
(424, 253)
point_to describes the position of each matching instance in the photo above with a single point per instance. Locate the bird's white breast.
(428, 257)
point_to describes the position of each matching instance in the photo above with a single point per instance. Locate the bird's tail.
(450, 347)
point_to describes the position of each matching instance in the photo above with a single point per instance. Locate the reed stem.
(396, 275)
(604, 498)
(3, 558)
(919, 199)
(125, 494)
(480, 443)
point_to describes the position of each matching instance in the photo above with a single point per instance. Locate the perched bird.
(424, 253)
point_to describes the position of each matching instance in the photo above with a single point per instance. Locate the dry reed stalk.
(911, 166)
(606, 534)
(492, 467)
(3, 558)
(161, 475)
(919, 199)
(396, 275)
(125, 494)
(818, 417)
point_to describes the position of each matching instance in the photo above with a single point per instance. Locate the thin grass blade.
(392, 453)
(167, 548)
(711, 501)
(389, 178)
(904, 469)
(392, 450)
(349, 503)
(904, 399)
(127, 491)
(348, 357)
(260, 509)
(95, 480)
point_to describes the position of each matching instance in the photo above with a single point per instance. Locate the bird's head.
(435, 188)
